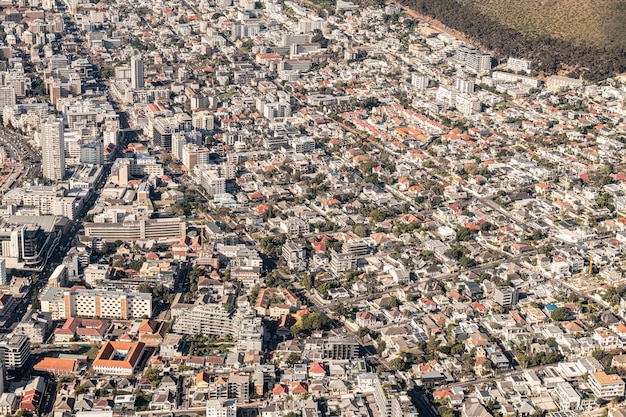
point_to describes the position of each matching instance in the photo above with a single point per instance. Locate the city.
(303, 208)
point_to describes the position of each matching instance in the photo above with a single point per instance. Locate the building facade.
(53, 149)
(63, 303)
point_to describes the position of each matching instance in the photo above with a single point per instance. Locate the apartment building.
(23, 245)
(53, 149)
(207, 319)
(46, 199)
(606, 386)
(341, 262)
(96, 273)
(567, 396)
(505, 296)
(203, 120)
(518, 64)
(556, 83)
(294, 254)
(143, 165)
(215, 320)
(172, 228)
(356, 247)
(15, 352)
(303, 144)
(35, 326)
(473, 59)
(221, 408)
(63, 303)
(210, 179)
(193, 155)
(392, 404)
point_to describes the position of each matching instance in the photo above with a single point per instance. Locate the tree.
(361, 231)
(551, 341)
(38, 87)
(445, 411)
(614, 294)
(560, 314)
(307, 281)
(369, 103)
(396, 364)
(467, 262)
(463, 234)
(315, 321)
(254, 293)
(292, 359)
(153, 375)
(318, 36)
(362, 332)
(36, 304)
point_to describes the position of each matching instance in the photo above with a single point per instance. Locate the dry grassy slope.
(600, 22)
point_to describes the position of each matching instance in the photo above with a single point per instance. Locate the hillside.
(600, 22)
(555, 34)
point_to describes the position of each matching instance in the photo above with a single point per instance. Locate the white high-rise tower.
(53, 149)
(136, 72)
(3, 272)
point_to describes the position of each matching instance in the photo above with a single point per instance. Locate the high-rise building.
(3, 272)
(15, 351)
(136, 72)
(420, 81)
(473, 59)
(92, 153)
(7, 96)
(53, 149)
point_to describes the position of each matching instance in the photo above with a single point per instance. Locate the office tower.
(53, 149)
(136, 72)
(3, 272)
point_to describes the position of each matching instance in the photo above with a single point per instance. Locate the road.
(411, 288)
(423, 405)
(57, 252)
(27, 159)
(500, 376)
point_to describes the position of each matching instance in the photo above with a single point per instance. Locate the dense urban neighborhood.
(305, 208)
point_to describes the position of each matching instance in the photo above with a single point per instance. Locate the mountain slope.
(575, 35)
(601, 22)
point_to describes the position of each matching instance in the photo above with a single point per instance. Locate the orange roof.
(148, 326)
(107, 351)
(331, 202)
(203, 377)
(478, 306)
(442, 393)
(279, 389)
(151, 256)
(319, 246)
(317, 368)
(261, 208)
(298, 388)
(56, 365)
